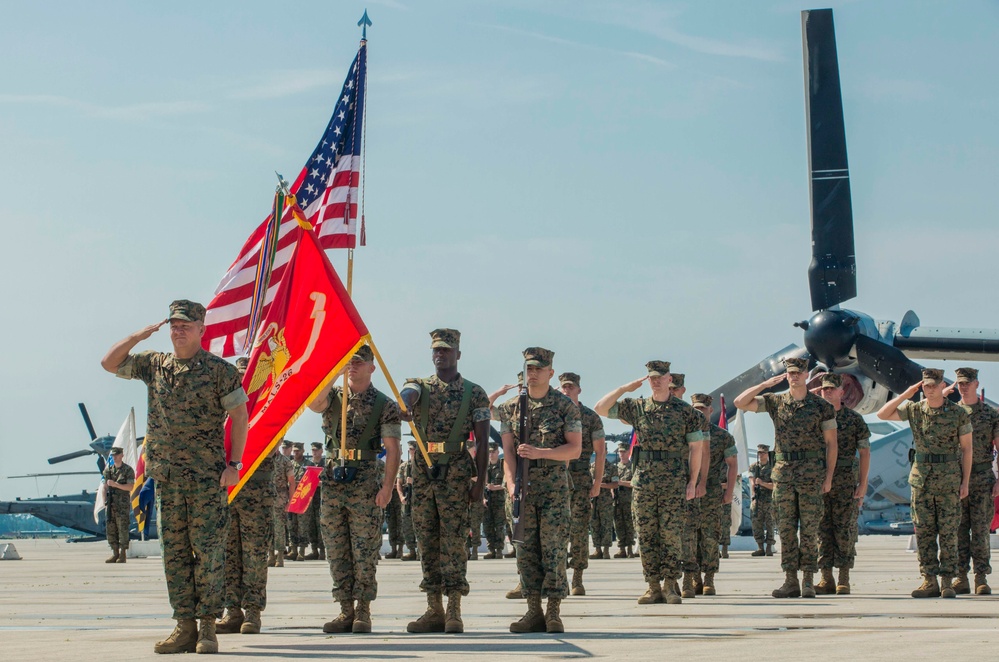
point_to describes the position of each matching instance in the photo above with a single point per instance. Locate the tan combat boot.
(928, 589)
(946, 587)
(960, 584)
(344, 622)
(114, 555)
(292, 554)
(688, 585)
(231, 622)
(622, 553)
(452, 618)
(597, 553)
(724, 551)
(183, 639)
(790, 588)
(122, 555)
(982, 584)
(671, 595)
(533, 620)
(654, 594)
(271, 559)
(279, 558)
(770, 549)
(322, 553)
(577, 582)
(698, 584)
(490, 555)
(607, 553)
(512, 554)
(553, 621)
(807, 587)
(709, 583)
(207, 641)
(843, 585)
(631, 552)
(760, 551)
(251, 622)
(301, 553)
(432, 619)
(313, 556)
(826, 585)
(516, 593)
(394, 554)
(362, 618)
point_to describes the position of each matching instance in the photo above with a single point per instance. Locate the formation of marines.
(672, 488)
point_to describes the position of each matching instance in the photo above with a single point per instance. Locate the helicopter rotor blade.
(69, 456)
(86, 419)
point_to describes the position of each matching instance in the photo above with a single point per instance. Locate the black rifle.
(523, 464)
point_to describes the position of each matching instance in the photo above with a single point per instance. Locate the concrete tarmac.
(62, 602)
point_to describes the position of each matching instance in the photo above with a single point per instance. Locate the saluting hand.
(914, 389)
(775, 380)
(149, 330)
(631, 387)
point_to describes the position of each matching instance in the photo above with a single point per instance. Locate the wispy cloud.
(897, 89)
(134, 111)
(644, 57)
(280, 84)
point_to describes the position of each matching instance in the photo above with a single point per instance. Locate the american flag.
(326, 189)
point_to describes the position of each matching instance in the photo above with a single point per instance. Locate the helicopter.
(75, 511)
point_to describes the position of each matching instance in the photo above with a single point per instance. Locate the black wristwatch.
(238, 466)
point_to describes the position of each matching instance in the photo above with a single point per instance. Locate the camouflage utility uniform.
(118, 504)
(798, 473)
(185, 454)
(762, 509)
(665, 430)
(495, 513)
(582, 482)
(935, 479)
(602, 524)
(838, 527)
(351, 520)
(541, 558)
(284, 469)
(406, 515)
(624, 524)
(702, 541)
(440, 507)
(978, 509)
(250, 539)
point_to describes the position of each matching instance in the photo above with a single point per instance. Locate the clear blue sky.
(614, 181)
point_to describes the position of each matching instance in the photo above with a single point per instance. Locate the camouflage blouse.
(551, 417)
(936, 430)
(360, 407)
(593, 429)
(722, 445)
(852, 434)
(188, 400)
(798, 427)
(445, 402)
(984, 429)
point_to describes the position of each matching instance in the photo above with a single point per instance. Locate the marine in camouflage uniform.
(841, 505)
(624, 523)
(356, 488)
(118, 504)
(720, 461)
(476, 513)
(284, 487)
(978, 508)
(672, 435)
(190, 394)
(602, 523)
(585, 485)
(446, 408)
(296, 521)
(942, 442)
(762, 507)
(805, 441)
(494, 521)
(310, 528)
(393, 522)
(554, 435)
(248, 543)
(405, 486)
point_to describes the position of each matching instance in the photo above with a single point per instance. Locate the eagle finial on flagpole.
(364, 23)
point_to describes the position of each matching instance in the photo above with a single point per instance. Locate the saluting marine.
(805, 440)
(672, 436)
(761, 510)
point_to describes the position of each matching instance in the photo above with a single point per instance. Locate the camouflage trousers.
(280, 524)
(248, 546)
(117, 520)
(351, 523)
(936, 516)
(476, 513)
(440, 517)
(408, 532)
(691, 516)
(838, 527)
(393, 519)
(193, 516)
(762, 513)
(309, 524)
(725, 523)
(660, 511)
(579, 522)
(602, 523)
(295, 528)
(799, 510)
(624, 523)
(704, 541)
(494, 520)
(541, 558)
(977, 511)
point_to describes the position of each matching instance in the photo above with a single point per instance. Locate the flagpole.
(402, 403)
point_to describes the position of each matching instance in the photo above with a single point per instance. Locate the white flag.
(738, 430)
(126, 440)
(99, 503)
